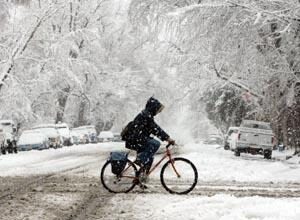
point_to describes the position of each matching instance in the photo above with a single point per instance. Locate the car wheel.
(10, 150)
(226, 147)
(237, 153)
(3, 151)
(268, 155)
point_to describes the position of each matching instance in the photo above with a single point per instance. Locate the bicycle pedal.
(144, 179)
(142, 186)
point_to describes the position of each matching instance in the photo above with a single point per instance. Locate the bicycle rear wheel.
(118, 183)
(179, 176)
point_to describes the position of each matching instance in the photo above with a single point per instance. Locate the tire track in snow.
(33, 181)
(238, 189)
(94, 202)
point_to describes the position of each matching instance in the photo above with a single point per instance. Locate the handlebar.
(169, 144)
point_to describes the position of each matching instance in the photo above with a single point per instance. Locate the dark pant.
(146, 153)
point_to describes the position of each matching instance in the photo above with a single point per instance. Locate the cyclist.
(137, 134)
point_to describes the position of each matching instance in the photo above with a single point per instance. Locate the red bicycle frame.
(167, 154)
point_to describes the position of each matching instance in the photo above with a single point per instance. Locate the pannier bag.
(118, 161)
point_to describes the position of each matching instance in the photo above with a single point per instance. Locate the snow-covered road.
(212, 162)
(229, 187)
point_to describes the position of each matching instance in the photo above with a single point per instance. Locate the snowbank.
(222, 207)
(214, 163)
(55, 160)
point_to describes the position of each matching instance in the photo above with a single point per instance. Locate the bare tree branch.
(19, 49)
(236, 84)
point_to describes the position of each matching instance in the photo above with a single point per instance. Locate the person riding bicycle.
(137, 134)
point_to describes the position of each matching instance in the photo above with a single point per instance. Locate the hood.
(152, 106)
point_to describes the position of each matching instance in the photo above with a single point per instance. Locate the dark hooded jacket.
(144, 125)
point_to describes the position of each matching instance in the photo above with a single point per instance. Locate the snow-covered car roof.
(233, 128)
(62, 125)
(87, 126)
(214, 136)
(78, 132)
(31, 138)
(255, 122)
(48, 131)
(6, 122)
(32, 131)
(35, 132)
(79, 128)
(87, 129)
(45, 126)
(106, 134)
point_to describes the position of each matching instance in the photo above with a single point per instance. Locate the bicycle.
(178, 175)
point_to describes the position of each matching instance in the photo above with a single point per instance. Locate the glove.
(171, 141)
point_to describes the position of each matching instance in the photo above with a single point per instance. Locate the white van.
(51, 132)
(64, 130)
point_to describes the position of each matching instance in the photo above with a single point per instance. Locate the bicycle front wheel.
(122, 183)
(179, 176)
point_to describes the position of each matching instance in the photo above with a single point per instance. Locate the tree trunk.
(62, 101)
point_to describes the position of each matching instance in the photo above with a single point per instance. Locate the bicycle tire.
(168, 164)
(107, 167)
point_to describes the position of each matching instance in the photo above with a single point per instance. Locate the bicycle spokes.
(174, 168)
(118, 183)
(179, 176)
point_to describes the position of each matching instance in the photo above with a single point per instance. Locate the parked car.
(2, 142)
(89, 131)
(254, 137)
(64, 131)
(228, 137)
(75, 137)
(80, 135)
(52, 134)
(9, 135)
(32, 140)
(105, 136)
(117, 137)
(92, 133)
(214, 139)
